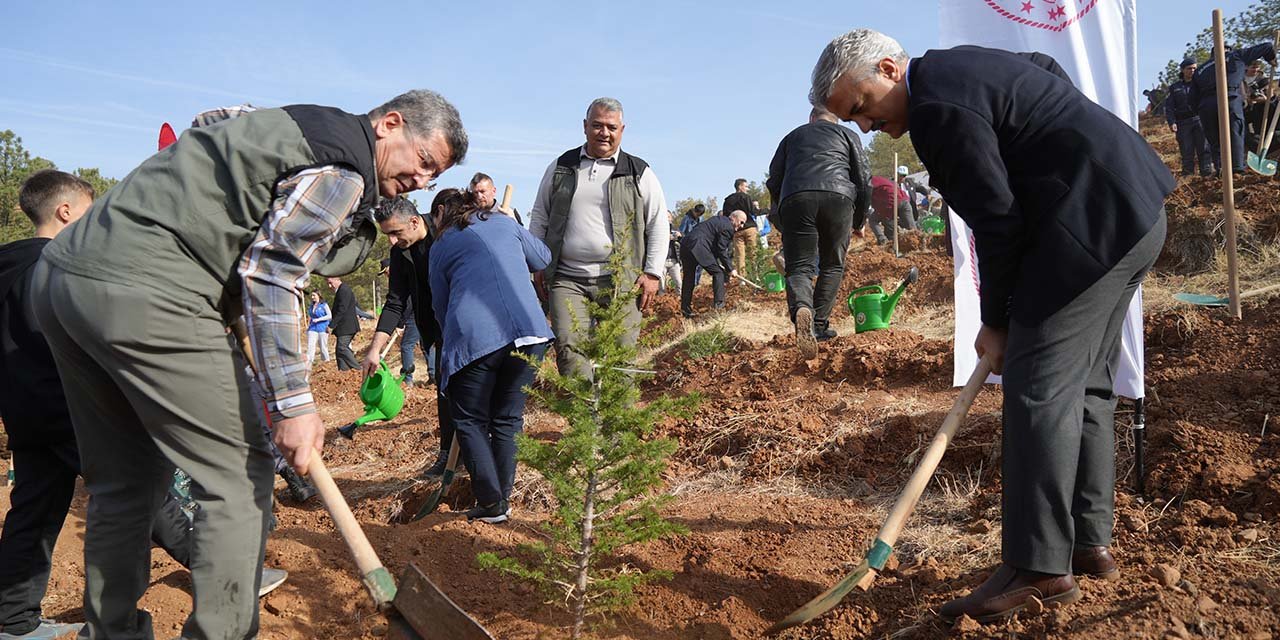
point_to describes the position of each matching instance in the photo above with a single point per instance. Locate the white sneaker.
(271, 578)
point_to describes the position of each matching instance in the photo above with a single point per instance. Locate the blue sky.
(709, 87)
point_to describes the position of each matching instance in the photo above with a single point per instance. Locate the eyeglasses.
(429, 167)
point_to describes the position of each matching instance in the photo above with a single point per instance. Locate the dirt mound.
(1195, 211)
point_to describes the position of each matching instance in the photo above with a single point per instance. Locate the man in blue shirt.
(1183, 117)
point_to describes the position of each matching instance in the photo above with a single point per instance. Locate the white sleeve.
(657, 228)
(538, 214)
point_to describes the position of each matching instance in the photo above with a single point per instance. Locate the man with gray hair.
(136, 299)
(1066, 203)
(591, 197)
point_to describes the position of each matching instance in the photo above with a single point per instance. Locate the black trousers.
(1235, 119)
(346, 357)
(487, 399)
(44, 481)
(1194, 148)
(444, 415)
(689, 265)
(1058, 461)
(815, 223)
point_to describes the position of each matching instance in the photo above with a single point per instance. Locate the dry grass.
(1257, 268)
(1260, 557)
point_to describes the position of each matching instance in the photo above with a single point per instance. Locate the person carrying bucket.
(819, 176)
(492, 322)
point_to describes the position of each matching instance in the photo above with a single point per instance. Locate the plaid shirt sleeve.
(305, 220)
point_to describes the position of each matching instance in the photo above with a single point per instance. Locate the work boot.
(1007, 592)
(1095, 562)
(492, 514)
(805, 340)
(437, 469)
(45, 630)
(299, 488)
(271, 578)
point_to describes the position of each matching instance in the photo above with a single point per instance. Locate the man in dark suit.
(345, 324)
(1066, 203)
(708, 247)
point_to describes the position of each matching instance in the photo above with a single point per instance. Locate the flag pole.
(893, 219)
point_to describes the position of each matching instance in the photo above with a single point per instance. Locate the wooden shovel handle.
(932, 456)
(506, 198)
(345, 522)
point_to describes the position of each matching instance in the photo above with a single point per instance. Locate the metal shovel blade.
(1201, 299)
(1261, 165)
(826, 600)
(430, 613)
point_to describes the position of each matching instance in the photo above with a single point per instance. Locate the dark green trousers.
(153, 380)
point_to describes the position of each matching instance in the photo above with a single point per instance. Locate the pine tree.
(605, 471)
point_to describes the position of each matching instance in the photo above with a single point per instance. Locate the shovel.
(1219, 301)
(1258, 162)
(417, 610)
(865, 573)
(749, 283)
(446, 481)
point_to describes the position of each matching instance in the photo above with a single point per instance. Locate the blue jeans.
(487, 399)
(408, 340)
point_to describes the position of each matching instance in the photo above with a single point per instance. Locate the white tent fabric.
(1096, 42)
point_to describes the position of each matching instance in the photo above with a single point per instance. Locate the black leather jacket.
(821, 156)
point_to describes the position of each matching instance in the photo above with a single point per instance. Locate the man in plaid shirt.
(229, 221)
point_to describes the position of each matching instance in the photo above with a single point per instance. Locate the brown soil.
(1195, 210)
(784, 474)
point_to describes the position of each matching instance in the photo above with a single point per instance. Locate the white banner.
(1096, 43)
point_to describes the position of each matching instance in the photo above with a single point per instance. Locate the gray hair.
(426, 112)
(857, 52)
(398, 207)
(739, 215)
(604, 104)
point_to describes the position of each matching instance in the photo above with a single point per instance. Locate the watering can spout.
(891, 301)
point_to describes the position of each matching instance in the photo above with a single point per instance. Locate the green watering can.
(382, 398)
(932, 225)
(873, 311)
(773, 281)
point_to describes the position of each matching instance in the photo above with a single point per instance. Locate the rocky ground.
(788, 467)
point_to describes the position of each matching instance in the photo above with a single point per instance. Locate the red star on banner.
(1059, 12)
(1026, 7)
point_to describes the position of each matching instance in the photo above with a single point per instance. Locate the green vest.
(182, 219)
(626, 207)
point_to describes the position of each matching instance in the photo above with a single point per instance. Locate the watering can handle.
(872, 287)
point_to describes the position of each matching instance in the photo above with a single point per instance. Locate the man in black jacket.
(1184, 120)
(1066, 203)
(1204, 94)
(345, 324)
(820, 176)
(411, 236)
(708, 246)
(746, 239)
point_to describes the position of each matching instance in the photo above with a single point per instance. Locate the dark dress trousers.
(1066, 204)
(344, 326)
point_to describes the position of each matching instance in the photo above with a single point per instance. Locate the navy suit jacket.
(1056, 189)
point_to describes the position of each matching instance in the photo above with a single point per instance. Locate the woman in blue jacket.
(487, 310)
(318, 329)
